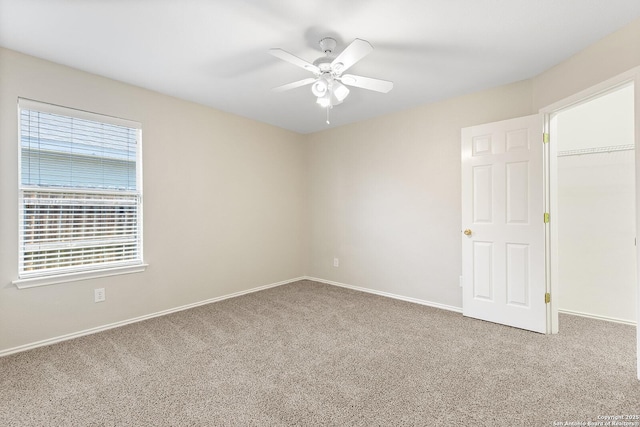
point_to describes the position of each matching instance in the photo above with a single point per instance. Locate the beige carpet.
(313, 354)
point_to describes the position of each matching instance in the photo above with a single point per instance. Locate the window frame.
(43, 277)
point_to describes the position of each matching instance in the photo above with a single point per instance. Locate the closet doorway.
(595, 215)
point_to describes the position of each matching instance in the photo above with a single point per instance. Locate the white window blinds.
(80, 198)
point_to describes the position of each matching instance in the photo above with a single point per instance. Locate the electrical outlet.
(99, 295)
(336, 262)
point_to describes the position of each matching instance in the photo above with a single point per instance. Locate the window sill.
(33, 282)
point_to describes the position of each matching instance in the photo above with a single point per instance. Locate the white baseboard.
(90, 331)
(387, 294)
(595, 316)
(97, 329)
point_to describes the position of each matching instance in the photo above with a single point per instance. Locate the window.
(80, 192)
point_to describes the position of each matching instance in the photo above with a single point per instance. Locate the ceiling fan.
(328, 83)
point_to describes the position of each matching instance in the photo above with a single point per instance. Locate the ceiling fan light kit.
(328, 83)
(320, 87)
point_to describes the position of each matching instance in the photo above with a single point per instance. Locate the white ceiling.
(214, 52)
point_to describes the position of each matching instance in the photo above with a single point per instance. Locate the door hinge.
(546, 218)
(547, 298)
(545, 138)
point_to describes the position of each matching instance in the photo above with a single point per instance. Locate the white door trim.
(631, 76)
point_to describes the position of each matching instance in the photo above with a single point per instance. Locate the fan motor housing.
(324, 64)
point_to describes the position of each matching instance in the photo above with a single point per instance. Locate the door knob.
(467, 232)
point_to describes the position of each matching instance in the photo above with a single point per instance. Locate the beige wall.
(607, 58)
(266, 205)
(224, 207)
(385, 195)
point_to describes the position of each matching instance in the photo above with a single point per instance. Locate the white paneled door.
(503, 229)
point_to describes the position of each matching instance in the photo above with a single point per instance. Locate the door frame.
(551, 180)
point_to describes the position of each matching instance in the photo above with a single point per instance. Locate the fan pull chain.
(328, 108)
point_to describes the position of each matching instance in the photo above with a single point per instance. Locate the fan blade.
(378, 85)
(294, 85)
(291, 58)
(353, 53)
